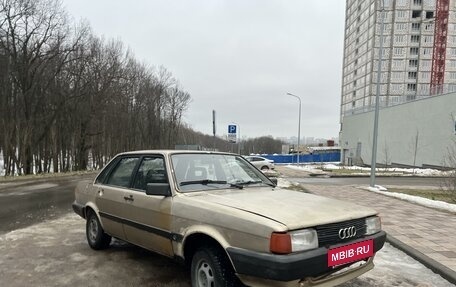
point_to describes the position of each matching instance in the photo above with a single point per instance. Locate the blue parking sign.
(231, 129)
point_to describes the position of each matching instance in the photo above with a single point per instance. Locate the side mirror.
(274, 180)
(162, 189)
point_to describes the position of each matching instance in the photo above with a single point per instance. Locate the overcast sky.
(238, 57)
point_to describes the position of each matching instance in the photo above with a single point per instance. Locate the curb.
(430, 263)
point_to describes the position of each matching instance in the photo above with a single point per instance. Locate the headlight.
(304, 239)
(284, 243)
(373, 225)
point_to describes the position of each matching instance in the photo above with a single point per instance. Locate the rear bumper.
(312, 263)
(78, 209)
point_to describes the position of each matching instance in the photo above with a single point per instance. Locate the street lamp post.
(299, 122)
(377, 98)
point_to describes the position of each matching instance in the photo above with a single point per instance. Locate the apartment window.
(414, 51)
(429, 14)
(396, 88)
(413, 63)
(398, 51)
(355, 72)
(401, 26)
(428, 27)
(398, 64)
(354, 94)
(417, 2)
(356, 51)
(356, 62)
(396, 76)
(411, 87)
(401, 14)
(353, 104)
(427, 39)
(425, 64)
(415, 38)
(427, 51)
(412, 75)
(416, 26)
(416, 14)
(399, 39)
(452, 64)
(452, 75)
(425, 75)
(401, 2)
(354, 83)
(357, 41)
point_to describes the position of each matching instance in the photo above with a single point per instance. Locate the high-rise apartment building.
(418, 54)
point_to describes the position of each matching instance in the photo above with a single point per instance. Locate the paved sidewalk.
(431, 233)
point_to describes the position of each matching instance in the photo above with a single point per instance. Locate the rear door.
(149, 217)
(111, 199)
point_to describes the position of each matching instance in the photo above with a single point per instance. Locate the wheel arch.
(200, 238)
(91, 207)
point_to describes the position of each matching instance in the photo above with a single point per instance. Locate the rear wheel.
(264, 167)
(211, 268)
(96, 237)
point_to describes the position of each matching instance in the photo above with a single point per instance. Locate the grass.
(346, 171)
(433, 194)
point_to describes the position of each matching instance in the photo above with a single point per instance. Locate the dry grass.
(434, 194)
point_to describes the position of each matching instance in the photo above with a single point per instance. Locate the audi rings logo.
(348, 232)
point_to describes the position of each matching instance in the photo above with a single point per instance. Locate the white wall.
(432, 119)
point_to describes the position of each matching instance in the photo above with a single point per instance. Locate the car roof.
(170, 152)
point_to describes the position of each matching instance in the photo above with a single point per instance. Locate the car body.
(260, 162)
(227, 220)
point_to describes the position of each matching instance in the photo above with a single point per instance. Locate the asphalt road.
(23, 203)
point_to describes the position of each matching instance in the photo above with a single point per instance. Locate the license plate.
(350, 253)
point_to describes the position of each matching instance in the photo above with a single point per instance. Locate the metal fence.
(305, 158)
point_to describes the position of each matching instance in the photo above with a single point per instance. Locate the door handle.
(129, 198)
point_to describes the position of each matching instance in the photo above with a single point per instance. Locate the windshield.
(195, 172)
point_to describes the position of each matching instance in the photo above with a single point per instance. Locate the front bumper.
(312, 263)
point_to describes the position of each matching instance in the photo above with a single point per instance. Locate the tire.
(211, 268)
(96, 237)
(264, 167)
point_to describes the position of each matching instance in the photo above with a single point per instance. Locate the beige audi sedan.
(230, 223)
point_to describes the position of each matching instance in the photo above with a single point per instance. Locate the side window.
(151, 170)
(121, 175)
(101, 178)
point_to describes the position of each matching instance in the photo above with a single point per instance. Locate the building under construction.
(418, 51)
(415, 42)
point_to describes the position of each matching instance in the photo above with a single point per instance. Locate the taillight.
(280, 243)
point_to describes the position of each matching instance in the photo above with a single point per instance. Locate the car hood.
(291, 208)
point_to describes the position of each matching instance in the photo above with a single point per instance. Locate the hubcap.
(204, 275)
(93, 229)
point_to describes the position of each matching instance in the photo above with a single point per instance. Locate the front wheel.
(211, 268)
(96, 237)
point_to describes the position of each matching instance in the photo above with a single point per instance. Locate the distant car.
(261, 162)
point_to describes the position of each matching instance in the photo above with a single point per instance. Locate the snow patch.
(421, 201)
